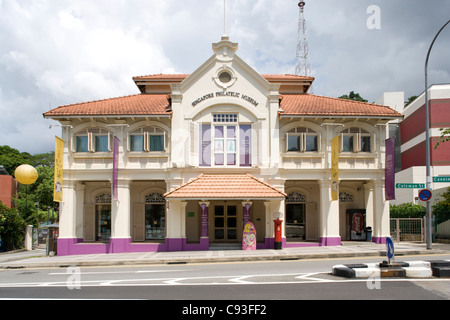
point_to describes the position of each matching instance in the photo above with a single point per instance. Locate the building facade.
(413, 145)
(199, 155)
(8, 188)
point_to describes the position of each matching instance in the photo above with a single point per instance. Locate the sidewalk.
(38, 259)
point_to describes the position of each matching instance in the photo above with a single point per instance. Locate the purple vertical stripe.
(245, 145)
(115, 169)
(389, 171)
(205, 145)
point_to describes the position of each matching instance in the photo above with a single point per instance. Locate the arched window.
(356, 140)
(302, 140)
(92, 140)
(147, 139)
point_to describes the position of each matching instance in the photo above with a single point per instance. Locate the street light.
(427, 139)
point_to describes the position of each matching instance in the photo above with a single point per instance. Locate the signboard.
(335, 168)
(389, 170)
(58, 176)
(425, 194)
(389, 249)
(441, 179)
(410, 185)
(249, 237)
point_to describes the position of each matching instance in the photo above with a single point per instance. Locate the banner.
(58, 179)
(389, 170)
(115, 169)
(335, 168)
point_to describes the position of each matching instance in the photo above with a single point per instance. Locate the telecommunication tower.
(303, 66)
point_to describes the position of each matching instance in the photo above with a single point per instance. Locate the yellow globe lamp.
(26, 174)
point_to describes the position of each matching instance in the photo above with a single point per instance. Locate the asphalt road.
(243, 282)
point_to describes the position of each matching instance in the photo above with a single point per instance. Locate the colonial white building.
(201, 154)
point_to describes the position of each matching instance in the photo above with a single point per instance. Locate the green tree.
(445, 136)
(353, 96)
(40, 192)
(12, 228)
(11, 158)
(410, 99)
(442, 209)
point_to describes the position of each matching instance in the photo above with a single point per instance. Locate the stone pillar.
(120, 219)
(329, 216)
(368, 195)
(381, 223)
(29, 238)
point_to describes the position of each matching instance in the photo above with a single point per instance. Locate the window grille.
(295, 197)
(155, 198)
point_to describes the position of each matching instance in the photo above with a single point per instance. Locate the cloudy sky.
(56, 52)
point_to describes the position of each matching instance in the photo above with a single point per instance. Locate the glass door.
(295, 221)
(225, 223)
(103, 222)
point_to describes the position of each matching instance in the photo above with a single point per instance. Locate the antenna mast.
(303, 67)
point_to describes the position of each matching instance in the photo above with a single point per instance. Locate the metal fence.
(407, 229)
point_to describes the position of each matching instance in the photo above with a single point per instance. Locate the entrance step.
(225, 246)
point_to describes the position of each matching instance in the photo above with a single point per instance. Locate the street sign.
(425, 194)
(441, 179)
(410, 185)
(389, 249)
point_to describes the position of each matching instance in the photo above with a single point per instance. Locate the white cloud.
(67, 51)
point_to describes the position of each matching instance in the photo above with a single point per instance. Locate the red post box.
(277, 224)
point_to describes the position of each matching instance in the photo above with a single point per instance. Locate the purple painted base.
(379, 240)
(77, 246)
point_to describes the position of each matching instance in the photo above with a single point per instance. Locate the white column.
(67, 214)
(368, 195)
(120, 212)
(381, 227)
(79, 209)
(329, 215)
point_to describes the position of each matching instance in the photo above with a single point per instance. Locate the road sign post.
(425, 194)
(389, 249)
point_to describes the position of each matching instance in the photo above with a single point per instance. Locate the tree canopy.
(353, 96)
(34, 200)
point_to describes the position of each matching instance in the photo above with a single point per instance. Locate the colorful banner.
(389, 170)
(335, 168)
(58, 179)
(115, 169)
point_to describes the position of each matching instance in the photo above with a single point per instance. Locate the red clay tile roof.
(156, 104)
(225, 186)
(135, 105)
(312, 105)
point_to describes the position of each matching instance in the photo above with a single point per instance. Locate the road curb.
(407, 269)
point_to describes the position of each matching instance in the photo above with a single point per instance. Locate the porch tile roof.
(225, 186)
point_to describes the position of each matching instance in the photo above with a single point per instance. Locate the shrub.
(12, 227)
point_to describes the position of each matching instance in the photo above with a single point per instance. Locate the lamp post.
(427, 139)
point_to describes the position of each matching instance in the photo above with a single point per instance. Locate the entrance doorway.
(295, 222)
(225, 223)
